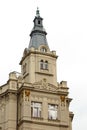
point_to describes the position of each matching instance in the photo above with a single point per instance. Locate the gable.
(43, 85)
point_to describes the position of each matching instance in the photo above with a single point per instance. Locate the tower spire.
(38, 33)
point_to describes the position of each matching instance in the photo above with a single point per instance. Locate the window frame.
(36, 109)
(41, 64)
(52, 112)
(44, 65)
(43, 49)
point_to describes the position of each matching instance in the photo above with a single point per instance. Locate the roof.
(38, 33)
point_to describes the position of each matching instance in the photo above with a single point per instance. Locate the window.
(39, 22)
(43, 49)
(41, 64)
(36, 109)
(52, 111)
(46, 65)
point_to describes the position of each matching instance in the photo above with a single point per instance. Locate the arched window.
(41, 64)
(46, 65)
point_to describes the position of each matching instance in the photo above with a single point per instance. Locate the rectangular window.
(36, 109)
(52, 111)
(46, 65)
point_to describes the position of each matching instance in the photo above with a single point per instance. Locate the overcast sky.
(66, 24)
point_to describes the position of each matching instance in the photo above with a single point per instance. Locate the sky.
(66, 24)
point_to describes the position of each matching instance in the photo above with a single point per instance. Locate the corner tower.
(33, 99)
(38, 62)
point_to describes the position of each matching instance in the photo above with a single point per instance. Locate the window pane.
(46, 64)
(43, 49)
(41, 64)
(36, 109)
(35, 112)
(52, 111)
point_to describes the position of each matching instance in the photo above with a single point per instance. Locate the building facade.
(34, 100)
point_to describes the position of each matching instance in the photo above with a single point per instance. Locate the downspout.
(17, 110)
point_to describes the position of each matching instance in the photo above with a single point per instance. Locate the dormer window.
(43, 49)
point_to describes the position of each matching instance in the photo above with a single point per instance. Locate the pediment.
(43, 85)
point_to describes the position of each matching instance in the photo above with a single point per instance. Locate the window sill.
(44, 73)
(43, 69)
(54, 120)
(37, 118)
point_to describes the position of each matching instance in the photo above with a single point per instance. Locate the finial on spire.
(37, 12)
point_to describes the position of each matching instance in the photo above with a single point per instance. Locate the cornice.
(4, 85)
(7, 92)
(52, 123)
(44, 73)
(37, 52)
(43, 87)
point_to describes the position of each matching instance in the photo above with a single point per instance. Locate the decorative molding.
(62, 100)
(54, 123)
(45, 86)
(37, 52)
(25, 95)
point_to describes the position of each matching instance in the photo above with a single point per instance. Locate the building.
(34, 100)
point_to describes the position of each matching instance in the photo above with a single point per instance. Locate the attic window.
(38, 21)
(43, 49)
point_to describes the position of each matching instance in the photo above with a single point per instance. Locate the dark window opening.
(38, 21)
(41, 64)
